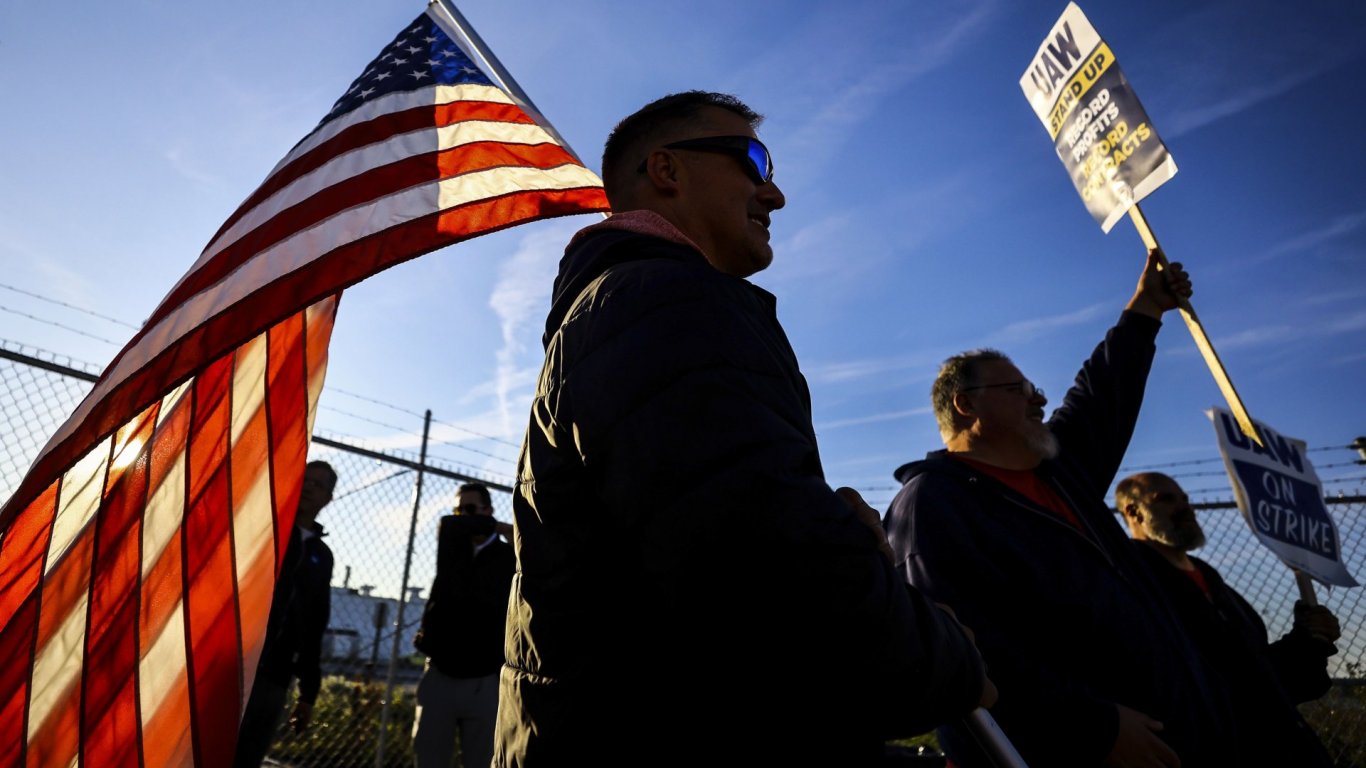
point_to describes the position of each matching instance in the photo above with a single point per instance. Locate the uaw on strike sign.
(1281, 498)
(1100, 131)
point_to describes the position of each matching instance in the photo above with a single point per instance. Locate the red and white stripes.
(137, 586)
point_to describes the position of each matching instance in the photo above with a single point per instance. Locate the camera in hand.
(470, 525)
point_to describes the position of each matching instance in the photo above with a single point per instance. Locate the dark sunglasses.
(469, 509)
(760, 163)
(1026, 386)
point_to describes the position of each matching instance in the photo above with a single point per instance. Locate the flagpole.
(402, 596)
(457, 26)
(1202, 341)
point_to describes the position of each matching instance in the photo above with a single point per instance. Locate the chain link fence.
(380, 528)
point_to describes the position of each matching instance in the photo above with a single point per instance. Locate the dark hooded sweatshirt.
(689, 589)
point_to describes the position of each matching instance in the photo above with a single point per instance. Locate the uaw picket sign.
(1099, 129)
(1281, 498)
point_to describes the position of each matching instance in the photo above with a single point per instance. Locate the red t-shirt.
(1031, 486)
(1198, 577)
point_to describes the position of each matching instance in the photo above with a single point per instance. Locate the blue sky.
(926, 210)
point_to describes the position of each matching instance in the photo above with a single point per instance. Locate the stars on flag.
(418, 58)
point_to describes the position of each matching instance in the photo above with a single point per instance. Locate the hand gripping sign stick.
(1114, 155)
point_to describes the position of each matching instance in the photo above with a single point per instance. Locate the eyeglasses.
(759, 165)
(469, 509)
(1026, 386)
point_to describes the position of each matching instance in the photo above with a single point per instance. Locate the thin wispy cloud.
(520, 299)
(829, 101)
(1288, 335)
(1334, 229)
(1334, 297)
(1026, 330)
(1238, 102)
(808, 252)
(823, 247)
(1268, 66)
(51, 277)
(1252, 337)
(875, 418)
(1348, 359)
(854, 370)
(184, 164)
(1349, 324)
(922, 364)
(852, 103)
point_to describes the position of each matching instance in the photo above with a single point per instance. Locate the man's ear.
(664, 171)
(962, 404)
(1131, 512)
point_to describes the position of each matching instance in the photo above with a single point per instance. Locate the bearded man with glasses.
(690, 591)
(1009, 527)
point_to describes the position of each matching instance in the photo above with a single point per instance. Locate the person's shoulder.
(938, 507)
(664, 270)
(654, 282)
(500, 553)
(930, 482)
(322, 551)
(936, 471)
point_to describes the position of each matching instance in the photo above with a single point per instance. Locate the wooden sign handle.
(1202, 342)
(1306, 586)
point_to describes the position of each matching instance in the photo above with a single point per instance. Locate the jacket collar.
(638, 222)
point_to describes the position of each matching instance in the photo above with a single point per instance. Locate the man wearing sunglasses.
(462, 634)
(1009, 527)
(690, 591)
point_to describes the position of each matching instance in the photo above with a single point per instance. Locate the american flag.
(138, 556)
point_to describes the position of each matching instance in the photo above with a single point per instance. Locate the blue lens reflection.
(758, 155)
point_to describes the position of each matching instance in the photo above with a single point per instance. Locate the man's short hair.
(324, 466)
(640, 131)
(955, 374)
(483, 490)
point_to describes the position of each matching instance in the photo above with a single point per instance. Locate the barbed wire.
(1331, 481)
(61, 303)
(486, 474)
(417, 435)
(368, 420)
(464, 447)
(371, 484)
(1190, 462)
(411, 412)
(56, 324)
(1222, 473)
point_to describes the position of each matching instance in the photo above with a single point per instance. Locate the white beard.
(1043, 442)
(1185, 537)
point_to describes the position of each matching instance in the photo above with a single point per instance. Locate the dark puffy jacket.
(1266, 679)
(1069, 622)
(299, 612)
(689, 589)
(462, 624)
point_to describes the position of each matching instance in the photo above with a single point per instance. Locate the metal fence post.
(402, 596)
